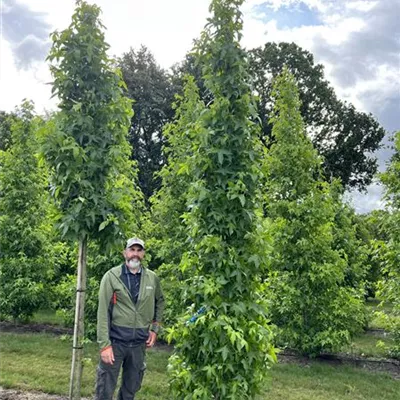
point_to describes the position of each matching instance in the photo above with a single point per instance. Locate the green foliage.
(65, 303)
(310, 302)
(86, 145)
(343, 136)
(352, 249)
(6, 120)
(25, 257)
(166, 228)
(65, 290)
(372, 232)
(390, 285)
(152, 90)
(224, 350)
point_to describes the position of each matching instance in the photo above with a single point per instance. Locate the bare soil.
(6, 326)
(11, 394)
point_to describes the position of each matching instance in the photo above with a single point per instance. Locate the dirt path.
(11, 394)
(6, 326)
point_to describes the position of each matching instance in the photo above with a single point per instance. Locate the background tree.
(87, 148)
(372, 232)
(310, 302)
(344, 137)
(152, 89)
(224, 350)
(350, 246)
(25, 257)
(6, 120)
(390, 284)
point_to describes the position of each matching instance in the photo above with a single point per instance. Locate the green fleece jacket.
(118, 317)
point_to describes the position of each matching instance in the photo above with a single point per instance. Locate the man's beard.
(133, 263)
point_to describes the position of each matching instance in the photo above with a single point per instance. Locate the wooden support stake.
(79, 325)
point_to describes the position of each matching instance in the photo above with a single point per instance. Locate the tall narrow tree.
(88, 150)
(311, 303)
(223, 351)
(166, 228)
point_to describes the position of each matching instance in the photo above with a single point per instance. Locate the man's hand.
(107, 355)
(152, 339)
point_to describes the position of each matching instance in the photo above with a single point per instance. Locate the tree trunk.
(77, 349)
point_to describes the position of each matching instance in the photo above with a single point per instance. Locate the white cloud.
(361, 5)
(17, 84)
(167, 28)
(365, 202)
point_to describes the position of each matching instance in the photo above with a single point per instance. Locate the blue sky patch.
(289, 16)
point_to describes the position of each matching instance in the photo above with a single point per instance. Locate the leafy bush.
(25, 257)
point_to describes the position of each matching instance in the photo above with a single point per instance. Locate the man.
(128, 319)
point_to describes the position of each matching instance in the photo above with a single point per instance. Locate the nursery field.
(220, 186)
(41, 362)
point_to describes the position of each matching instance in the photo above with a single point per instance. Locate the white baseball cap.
(133, 241)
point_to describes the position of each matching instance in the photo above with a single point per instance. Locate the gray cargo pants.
(131, 357)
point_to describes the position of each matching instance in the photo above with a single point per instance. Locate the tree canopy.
(86, 144)
(6, 120)
(152, 90)
(390, 284)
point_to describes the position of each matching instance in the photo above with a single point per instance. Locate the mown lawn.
(366, 345)
(47, 317)
(42, 362)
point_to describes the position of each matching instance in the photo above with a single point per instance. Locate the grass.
(42, 362)
(47, 317)
(366, 345)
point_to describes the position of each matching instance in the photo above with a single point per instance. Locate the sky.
(357, 42)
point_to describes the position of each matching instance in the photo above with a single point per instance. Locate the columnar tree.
(310, 302)
(166, 228)
(24, 259)
(88, 150)
(373, 232)
(390, 284)
(223, 344)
